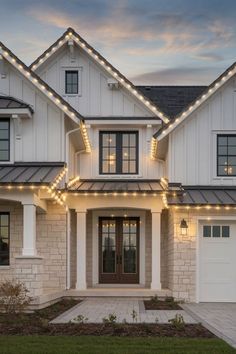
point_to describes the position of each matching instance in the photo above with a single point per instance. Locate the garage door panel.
(217, 267)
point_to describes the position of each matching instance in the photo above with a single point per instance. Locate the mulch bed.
(161, 305)
(37, 323)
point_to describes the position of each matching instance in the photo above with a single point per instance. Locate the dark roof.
(119, 186)
(30, 173)
(7, 102)
(204, 196)
(172, 99)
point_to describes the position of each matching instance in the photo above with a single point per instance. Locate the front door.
(118, 250)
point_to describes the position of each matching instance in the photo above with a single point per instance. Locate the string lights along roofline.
(71, 34)
(210, 90)
(8, 55)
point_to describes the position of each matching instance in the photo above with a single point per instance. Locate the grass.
(110, 345)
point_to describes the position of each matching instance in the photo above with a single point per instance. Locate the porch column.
(29, 230)
(81, 250)
(156, 250)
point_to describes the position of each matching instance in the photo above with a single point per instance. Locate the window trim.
(118, 148)
(8, 139)
(71, 71)
(217, 155)
(9, 238)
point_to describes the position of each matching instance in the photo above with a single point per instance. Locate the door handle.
(118, 259)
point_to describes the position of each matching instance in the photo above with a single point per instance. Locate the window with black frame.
(4, 239)
(4, 139)
(226, 155)
(71, 82)
(118, 152)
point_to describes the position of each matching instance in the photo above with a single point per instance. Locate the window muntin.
(4, 239)
(216, 231)
(118, 152)
(71, 82)
(226, 155)
(4, 139)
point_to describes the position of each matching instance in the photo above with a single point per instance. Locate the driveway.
(220, 318)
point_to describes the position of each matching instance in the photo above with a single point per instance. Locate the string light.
(92, 52)
(52, 95)
(211, 90)
(73, 181)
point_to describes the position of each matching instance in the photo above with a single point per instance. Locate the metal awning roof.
(119, 186)
(7, 102)
(30, 173)
(204, 196)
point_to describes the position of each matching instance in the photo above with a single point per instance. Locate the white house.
(110, 189)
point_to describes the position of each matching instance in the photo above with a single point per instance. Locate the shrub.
(169, 299)
(178, 321)
(134, 316)
(155, 299)
(111, 318)
(80, 319)
(14, 297)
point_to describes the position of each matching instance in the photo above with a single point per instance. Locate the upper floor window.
(118, 152)
(226, 155)
(4, 139)
(4, 238)
(71, 84)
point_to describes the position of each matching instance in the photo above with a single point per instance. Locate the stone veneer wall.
(47, 272)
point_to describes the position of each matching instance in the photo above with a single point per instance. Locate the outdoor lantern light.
(183, 227)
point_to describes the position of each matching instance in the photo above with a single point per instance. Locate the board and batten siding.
(88, 164)
(94, 98)
(40, 138)
(192, 156)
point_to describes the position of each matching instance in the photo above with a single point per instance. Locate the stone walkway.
(95, 309)
(219, 318)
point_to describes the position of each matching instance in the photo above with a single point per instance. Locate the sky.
(152, 42)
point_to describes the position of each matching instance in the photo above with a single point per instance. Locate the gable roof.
(172, 99)
(207, 93)
(7, 102)
(71, 34)
(45, 89)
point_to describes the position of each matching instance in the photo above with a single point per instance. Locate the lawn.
(110, 345)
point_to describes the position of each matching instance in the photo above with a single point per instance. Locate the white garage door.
(217, 262)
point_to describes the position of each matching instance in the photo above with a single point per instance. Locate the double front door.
(119, 250)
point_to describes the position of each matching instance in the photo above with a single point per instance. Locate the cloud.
(178, 76)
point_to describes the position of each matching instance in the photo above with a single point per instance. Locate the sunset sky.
(162, 42)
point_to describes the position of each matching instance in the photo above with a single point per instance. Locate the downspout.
(68, 213)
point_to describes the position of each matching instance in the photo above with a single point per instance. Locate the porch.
(114, 246)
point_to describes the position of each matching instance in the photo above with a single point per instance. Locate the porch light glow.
(183, 227)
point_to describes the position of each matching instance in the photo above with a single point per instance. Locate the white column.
(156, 251)
(29, 230)
(81, 250)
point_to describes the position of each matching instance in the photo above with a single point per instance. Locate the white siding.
(94, 98)
(88, 164)
(41, 137)
(192, 146)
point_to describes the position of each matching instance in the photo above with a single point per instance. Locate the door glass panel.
(129, 246)
(108, 246)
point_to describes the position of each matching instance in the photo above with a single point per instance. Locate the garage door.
(217, 262)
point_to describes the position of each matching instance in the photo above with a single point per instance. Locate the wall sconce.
(183, 227)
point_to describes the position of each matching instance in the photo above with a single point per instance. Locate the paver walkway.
(95, 309)
(220, 318)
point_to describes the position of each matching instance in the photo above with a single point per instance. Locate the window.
(226, 155)
(118, 152)
(4, 139)
(216, 231)
(71, 85)
(4, 238)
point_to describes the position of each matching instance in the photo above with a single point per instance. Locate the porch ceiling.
(119, 186)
